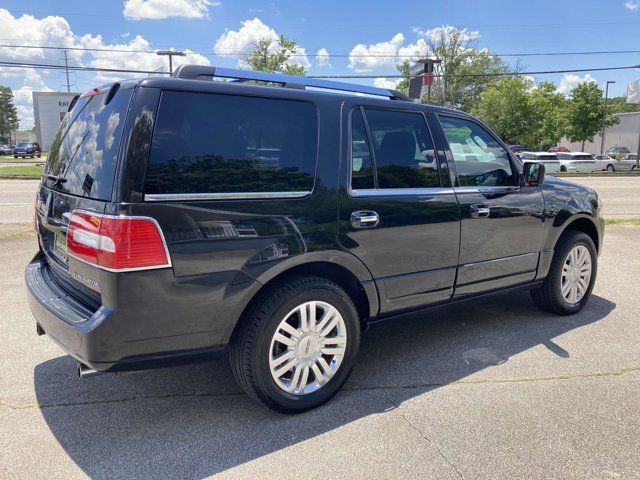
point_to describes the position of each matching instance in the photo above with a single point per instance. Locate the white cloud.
(237, 43)
(445, 32)
(633, 6)
(381, 82)
(131, 58)
(161, 9)
(23, 97)
(414, 51)
(322, 58)
(570, 81)
(364, 58)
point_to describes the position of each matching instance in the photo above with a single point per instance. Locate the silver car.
(548, 159)
(624, 163)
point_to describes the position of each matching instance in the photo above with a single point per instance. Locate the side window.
(403, 149)
(212, 143)
(361, 158)
(480, 160)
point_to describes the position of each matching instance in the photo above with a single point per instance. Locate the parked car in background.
(576, 162)
(549, 160)
(518, 149)
(26, 149)
(558, 149)
(624, 163)
(616, 151)
(5, 150)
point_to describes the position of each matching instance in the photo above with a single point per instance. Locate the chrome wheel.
(576, 274)
(307, 347)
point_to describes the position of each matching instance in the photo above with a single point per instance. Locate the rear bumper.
(110, 340)
(74, 327)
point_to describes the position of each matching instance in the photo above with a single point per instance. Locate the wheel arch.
(354, 279)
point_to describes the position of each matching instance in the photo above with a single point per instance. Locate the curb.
(19, 177)
(595, 174)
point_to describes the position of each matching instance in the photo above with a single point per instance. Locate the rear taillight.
(117, 243)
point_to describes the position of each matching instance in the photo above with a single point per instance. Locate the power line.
(345, 76)
(337, 54)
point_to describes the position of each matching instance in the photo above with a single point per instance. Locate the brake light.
(117, 243)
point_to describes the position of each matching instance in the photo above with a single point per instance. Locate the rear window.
(213, 143)
(582, 157)
(547, 157)
(84, 152)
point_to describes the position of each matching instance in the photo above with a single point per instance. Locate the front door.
(501, 221)
(398, 214)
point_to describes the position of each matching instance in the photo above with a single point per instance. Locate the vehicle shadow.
(191, 422)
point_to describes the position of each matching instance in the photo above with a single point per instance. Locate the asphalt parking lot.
(489, 389)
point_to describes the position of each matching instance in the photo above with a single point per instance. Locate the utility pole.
(170, 54)
(66, 69)
(604, 117)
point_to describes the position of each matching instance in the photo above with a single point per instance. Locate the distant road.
(620, 195)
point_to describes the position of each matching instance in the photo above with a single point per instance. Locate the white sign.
(49, 109)
(633, 92)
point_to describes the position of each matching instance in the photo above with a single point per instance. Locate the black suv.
(27, 149)
(182, 217)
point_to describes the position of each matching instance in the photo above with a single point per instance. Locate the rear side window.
(213, 143)
(84, 152)
(403, 153)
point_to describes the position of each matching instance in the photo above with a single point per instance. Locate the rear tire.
(563, 169)
(556, 294)
(257, 344)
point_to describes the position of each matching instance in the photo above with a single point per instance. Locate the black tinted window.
(211, 143)
(480, 160)
(404, 154)
(85, 150)
(361, 160)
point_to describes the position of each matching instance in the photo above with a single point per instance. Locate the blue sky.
(215, 30)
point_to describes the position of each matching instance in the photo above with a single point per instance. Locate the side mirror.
(533, 174)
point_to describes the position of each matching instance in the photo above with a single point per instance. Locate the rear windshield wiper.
(57, 179)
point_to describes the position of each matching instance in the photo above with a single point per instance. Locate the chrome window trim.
(399, 192)
(497, 189)
(169, 197)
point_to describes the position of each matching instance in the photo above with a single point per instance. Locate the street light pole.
(604, 117)
(170, 54)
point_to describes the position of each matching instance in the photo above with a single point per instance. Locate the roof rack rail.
(197, 72)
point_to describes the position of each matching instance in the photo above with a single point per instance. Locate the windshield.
(24, 144)
(586, 156)
(84, 151)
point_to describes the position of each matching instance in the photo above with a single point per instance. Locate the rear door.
(79, 174)
(501, 222)
(398, 214)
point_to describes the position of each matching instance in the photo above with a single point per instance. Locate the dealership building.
(623, 134)
(49, 109)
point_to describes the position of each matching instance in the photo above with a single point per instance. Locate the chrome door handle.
(364, 219)
(480, 211)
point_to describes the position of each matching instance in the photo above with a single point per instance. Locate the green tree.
(467, 70)
(267, 57)
(585, 114)
(620, 105)
(549, 120)
(507, 108)
(8, 114)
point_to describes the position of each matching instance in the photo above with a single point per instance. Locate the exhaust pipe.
(84, 371)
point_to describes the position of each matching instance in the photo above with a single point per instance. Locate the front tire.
(610, 168)
(571, 277)
(295, 348)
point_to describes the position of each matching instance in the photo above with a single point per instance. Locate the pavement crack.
(496, 381)
(433, 444)
(355, 388)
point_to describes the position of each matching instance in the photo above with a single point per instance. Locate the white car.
(622, 163)
(548, 159)
(576, 162)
